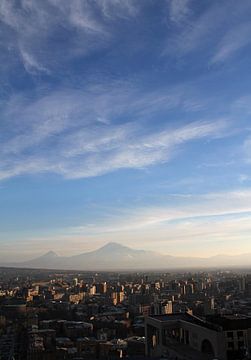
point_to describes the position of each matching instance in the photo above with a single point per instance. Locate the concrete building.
(184, 336)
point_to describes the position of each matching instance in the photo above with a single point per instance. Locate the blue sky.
(125, 121)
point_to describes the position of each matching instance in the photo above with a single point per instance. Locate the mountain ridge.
(115, 256)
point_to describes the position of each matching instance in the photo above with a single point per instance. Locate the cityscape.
(48, 314)
(125, 179)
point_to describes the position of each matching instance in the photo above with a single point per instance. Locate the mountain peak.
(112, 246)
(50, 254)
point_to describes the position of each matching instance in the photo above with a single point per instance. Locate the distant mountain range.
(114, 256)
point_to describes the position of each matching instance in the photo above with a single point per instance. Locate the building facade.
(184, 336)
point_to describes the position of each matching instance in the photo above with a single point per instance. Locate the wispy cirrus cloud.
(30, 27)
(137, 151)
(195, 32)
(39, 32)
(209, 29)
(179, 10)
(31, 65)
(62, 132)
(243, 104)
(242, 107)
(35, 119)
(247, 149)
(234, 40)
(185, 210)
(100, 151)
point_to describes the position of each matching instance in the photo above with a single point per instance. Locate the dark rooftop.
(188, 318)
(213, 322)
(231, 322)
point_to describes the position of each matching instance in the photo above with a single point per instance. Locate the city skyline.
(125, 121)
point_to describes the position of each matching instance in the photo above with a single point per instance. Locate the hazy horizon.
(114, 256)
(69, 254)
(125, 121)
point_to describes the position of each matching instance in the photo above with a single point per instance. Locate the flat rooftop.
(213, 322)
(187, 318)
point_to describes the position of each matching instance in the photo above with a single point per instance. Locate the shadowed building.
(184, 336)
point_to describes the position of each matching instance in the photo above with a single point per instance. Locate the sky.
(125, 121)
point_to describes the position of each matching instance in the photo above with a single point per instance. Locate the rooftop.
(187, 318)
(213, 322)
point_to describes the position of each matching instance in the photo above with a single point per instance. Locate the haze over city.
(127, 122)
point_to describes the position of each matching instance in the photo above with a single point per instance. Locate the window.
(240, 344)
(231, 344)
(240, 334)
(187, 336)
(230, 334)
